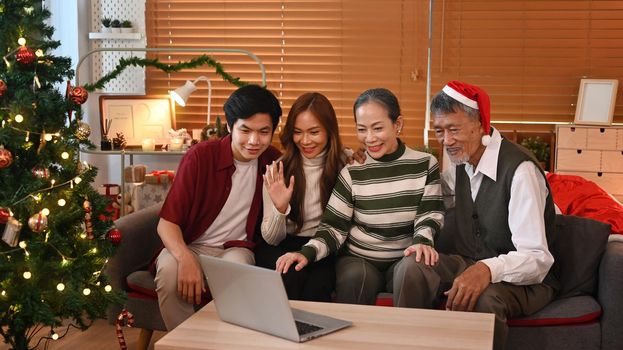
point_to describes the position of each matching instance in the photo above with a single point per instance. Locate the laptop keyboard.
(304, 328)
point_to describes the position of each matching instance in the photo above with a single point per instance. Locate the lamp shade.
(181, 94)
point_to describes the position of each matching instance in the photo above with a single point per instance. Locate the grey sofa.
(587, 315)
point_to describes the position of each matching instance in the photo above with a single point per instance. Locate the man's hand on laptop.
(286, 260)
(190, 283)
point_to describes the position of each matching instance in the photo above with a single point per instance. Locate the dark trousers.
(424, 284)
(315, 282)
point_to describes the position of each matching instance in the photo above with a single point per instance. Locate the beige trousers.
(173, 309)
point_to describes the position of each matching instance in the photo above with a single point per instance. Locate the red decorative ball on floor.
(6, 158)
(25, 55)
(3, 87)
(78, 95)
(114, 236)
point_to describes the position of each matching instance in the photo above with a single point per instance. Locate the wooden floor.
(100, 336)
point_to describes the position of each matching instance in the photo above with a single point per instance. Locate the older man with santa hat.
(504, 219)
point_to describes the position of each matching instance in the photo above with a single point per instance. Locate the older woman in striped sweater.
(380, 213)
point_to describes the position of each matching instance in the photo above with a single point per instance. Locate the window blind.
(529, 55)
(337, 47)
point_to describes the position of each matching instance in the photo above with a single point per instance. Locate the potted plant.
(539, 148)
(116, 26)
(126, 27)
(106, 23)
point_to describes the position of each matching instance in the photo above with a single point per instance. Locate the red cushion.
(561, 312)
(384, 299)
(577, 196)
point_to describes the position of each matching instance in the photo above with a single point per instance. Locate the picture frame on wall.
(138, 117)
(596, 101)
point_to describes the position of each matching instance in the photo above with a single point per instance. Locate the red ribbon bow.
(157, 174)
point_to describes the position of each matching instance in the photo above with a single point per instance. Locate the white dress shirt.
(532, 260)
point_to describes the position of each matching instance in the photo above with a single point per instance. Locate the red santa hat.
(474, 97)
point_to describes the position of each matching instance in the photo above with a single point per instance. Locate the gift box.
(144, 194)
(111, 191)
(135, 173)
(158, 177)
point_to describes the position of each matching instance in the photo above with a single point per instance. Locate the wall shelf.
(124, 36)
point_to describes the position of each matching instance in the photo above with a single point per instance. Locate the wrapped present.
(145, 194)
(135, 173)
(158, 177)
(109, 190)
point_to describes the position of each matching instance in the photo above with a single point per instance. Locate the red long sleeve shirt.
(201, 188)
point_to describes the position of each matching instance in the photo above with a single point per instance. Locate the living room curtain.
(529, 55)
(337, 47)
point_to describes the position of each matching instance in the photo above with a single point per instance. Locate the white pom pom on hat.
(474, 97)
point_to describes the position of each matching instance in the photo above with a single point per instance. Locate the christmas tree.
(55, 236)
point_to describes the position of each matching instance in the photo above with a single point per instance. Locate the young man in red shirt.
(214, 203)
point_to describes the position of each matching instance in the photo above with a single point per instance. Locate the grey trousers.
(173, 309)
(422, 285)
(359, 282)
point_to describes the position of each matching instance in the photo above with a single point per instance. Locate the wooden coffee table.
(374, 327)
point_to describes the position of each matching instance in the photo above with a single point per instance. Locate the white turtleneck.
(276, 225)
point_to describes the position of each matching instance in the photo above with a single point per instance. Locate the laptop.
(254, 297)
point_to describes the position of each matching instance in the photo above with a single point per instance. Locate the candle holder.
(149, 145)
(176, 143)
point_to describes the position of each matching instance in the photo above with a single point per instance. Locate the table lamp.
(182, 93)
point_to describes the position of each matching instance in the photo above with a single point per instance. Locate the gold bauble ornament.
(83, 131)
(38, 223)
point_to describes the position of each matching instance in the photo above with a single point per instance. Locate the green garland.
(167, 68)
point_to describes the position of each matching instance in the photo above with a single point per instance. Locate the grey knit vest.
(482, 226)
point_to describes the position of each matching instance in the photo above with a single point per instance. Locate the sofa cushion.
(142, 282)
(561, 312)
(577, 249)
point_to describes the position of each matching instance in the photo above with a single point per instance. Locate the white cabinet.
(593, 152)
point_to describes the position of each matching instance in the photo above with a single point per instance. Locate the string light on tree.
(108, 288)
(35, 134)
(86, 291)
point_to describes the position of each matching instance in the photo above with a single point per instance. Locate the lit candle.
(176, 143)
(149, 145)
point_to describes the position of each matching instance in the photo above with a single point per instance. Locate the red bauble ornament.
(78, 95)
(114, 236)
(5, 214)
(3, 87)
(25, 55)
(6, 158)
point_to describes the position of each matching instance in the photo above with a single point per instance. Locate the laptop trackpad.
(325, 324)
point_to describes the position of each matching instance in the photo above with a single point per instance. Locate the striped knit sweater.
(379, 208)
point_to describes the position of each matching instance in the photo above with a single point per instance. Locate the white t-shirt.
(231, 222)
